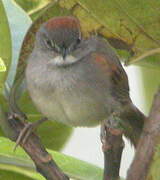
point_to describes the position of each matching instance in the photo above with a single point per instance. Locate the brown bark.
(146, 147)
(33, 147)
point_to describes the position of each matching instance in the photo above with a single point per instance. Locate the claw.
(26, 132)
(22, 135)
(14, 115)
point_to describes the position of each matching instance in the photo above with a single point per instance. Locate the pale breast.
(67, 97)
(72, 106)
(77, 95)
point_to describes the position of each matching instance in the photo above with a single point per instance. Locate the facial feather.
(59, 61)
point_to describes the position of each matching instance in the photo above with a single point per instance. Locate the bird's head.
(60, 35)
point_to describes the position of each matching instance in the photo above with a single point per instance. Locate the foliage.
(5, 44)
(131, 27)
(19, 162)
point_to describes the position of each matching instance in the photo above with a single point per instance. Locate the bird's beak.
(64, 53)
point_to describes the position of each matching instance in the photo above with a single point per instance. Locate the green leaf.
(15, 17)
(2, 66)
(19, 162)
(12, 175)
(30, 6)
(136, 22)
(16, 35)
(5, 44)
(150, 82)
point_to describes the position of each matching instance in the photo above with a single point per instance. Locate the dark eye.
(78, 40)
(49, 43)
(52, 45)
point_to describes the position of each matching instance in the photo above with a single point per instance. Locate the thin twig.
(148, 141)
(147, 54)
(33, 147)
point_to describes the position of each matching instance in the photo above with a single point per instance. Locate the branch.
(146, 54)
(147, 143)
(33, 147)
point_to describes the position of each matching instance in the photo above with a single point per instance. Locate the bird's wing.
(109, 62)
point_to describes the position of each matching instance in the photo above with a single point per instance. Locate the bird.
(80, 82)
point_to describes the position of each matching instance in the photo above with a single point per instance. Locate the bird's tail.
(133, 121)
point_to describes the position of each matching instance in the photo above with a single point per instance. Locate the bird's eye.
(49, 43)
(78, 40)
(52, 45)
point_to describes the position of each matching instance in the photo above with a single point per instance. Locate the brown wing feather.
(116, 74)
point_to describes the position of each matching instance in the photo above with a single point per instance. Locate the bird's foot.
(20, 116)
(27, 130)
(114, 124)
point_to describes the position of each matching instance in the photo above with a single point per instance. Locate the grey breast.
(75, 95)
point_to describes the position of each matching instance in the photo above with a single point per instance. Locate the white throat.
(58, 60)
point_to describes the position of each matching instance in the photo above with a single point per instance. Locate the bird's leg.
(15, 115)
(112, 146)
(27, 130)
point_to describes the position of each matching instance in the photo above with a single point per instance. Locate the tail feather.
(133, 120)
